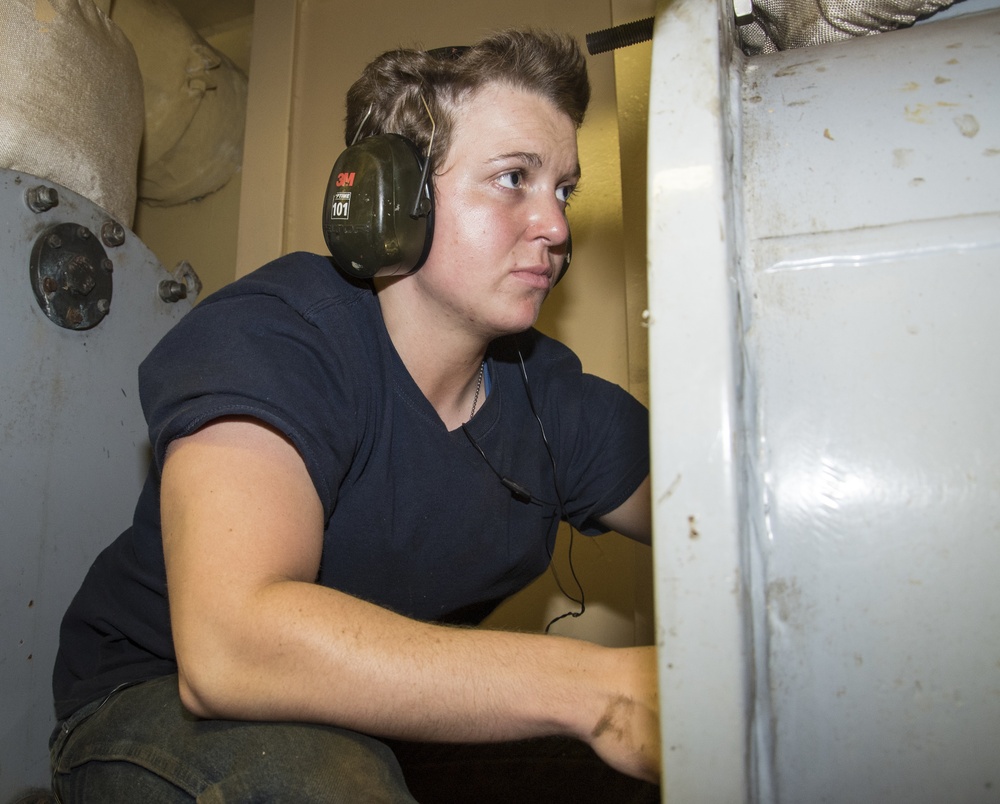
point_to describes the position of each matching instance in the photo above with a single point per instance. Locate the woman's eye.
(512, 180)
(563, 193)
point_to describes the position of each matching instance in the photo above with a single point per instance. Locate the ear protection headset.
(378, 210)
(378, 213)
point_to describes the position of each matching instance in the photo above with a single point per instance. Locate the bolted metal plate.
(73, 452)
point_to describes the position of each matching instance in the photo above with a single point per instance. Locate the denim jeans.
(141, 746)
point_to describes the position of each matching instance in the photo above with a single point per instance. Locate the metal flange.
(71, 276)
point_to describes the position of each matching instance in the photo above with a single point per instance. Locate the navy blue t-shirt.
(418, 519)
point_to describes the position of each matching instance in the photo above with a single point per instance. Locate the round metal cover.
(71, 276)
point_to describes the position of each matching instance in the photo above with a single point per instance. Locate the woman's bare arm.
(256, 638)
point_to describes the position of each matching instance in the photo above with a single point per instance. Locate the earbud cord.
(562, 510)
(521, 494)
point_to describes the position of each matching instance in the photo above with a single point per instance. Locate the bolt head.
(80, 276)
(112, 233)
(41, 198)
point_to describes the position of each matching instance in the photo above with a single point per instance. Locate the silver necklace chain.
(479, 385)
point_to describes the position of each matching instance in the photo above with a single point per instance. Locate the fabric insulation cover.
(195, 100)
(71, 108)
(787, 24)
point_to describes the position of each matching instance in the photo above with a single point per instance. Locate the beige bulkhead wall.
(304, 55)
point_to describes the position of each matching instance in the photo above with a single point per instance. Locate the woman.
(346, 469)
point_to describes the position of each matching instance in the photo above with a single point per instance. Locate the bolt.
(41, 198)
(107, 265)
(74, 316)
(103, 306)
(80, 276)
(54, 241)
(83, 232)
(49, 285)
(112, 233)
(172, 291)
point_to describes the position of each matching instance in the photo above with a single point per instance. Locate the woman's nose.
(548, 219)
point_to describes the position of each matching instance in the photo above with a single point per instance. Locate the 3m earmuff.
(378, 212)
(378, 209)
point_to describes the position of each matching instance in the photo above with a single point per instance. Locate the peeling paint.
(793, 69)
(784, 599)
(967, 125)
(668, 493)
(916, 113)
(901, 157)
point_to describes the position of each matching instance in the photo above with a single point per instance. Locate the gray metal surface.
(73, 450)
(871, 266)
(825, 259)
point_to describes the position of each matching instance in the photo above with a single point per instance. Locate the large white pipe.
(825, 252)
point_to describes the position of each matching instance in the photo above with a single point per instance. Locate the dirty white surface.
(73, 454)
(705, 665)
(825, 241)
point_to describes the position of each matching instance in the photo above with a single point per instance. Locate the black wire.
(582, 601)
(519, 492)
(522, 494)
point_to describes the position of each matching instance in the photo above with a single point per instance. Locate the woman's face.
(500, 230)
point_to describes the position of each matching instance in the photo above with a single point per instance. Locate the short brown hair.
(389, 96)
